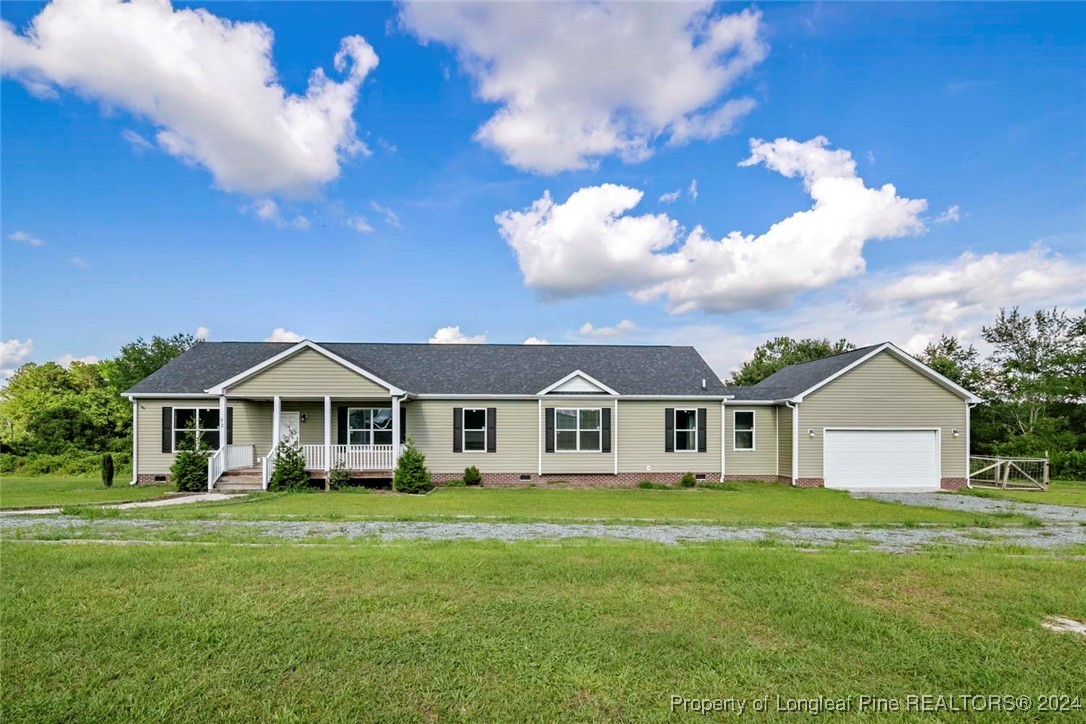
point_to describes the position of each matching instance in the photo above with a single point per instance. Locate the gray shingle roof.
(493, 369)
(793, 380)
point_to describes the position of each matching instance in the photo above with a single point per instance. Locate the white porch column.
(222, 421)
(328, 436)
(277, 409)
(395, 431)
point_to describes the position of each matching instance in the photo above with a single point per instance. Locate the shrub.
(290, 472)
(189, 469)
(1068, 465)
(339, 476)
(455, 483)
(688, 480)
(411, 475)
(472, 476)
(107, 470)
(711, 485)
(653, 485)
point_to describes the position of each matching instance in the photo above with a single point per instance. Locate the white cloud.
(280, 334)
(359, 224)
(577, 82)
(202, 333)
(268, 211)
(79, 262)
(535, 340)
(207, 83)
(590, 244)
(138, 143)
(65, 360)
(952, 213)
(453, 335)
(387, 145)
(24, 238)
(671, 196)
(390, 216)
(13, 354)
(693, 190)
(588, 330)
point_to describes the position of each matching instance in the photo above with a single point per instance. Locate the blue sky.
(133, 203)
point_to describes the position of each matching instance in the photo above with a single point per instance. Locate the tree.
(411, 475)
(781, 352)
(107, 470)
(959, 363)
(189, 469)
(290, 472)
(137, 360)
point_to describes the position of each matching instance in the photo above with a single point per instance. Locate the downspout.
(795, 439)
(135, 442)
(968, 443)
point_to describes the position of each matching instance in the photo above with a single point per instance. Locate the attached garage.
(881, 458)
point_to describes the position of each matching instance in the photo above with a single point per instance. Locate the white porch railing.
(351, 457)
(267, 466)
(240, 456)
(216, 464)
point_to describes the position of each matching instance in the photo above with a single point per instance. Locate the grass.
(523, 632)
(42, 492)
(1060, 492)
(742, 504)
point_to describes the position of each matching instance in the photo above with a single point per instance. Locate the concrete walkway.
(1041, 511)
(156, 503)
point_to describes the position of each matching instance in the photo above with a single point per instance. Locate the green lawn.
(1060, 492)
(743, 504)
(521, 632)
(33, 492)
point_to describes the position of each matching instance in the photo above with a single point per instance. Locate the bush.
(653, 485)
(472, 476)
(411, 475)
(339, 476)
(1067, 465)
(688, 481)
(77, 463)
(107, 470)
(455, 483)
(189, 470)
(712, 485)
(290, 473)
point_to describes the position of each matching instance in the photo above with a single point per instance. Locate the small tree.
(290, 472)
(411, 475)
(339, 476)
(688, 481)
(189, 467)
(472, 476)
(107, 470)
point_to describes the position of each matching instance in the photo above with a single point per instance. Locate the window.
(207, 426)
(369, 425)
(686, 430)
(475, 429)
(577, 430)
(743, 430)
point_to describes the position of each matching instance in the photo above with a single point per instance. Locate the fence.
(1008, 473)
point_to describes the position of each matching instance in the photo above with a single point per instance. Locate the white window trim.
(464, 430)
(578, 430)
(371, 429)
(675, 429)
(199, 430)
(753, 431)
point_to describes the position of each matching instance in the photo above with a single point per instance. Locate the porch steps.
(240, 480)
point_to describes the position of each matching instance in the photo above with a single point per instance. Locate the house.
(584, 414)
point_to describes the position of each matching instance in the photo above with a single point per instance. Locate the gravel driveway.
(895, 540)
(1041, 511)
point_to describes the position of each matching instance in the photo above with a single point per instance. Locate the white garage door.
(889, 459)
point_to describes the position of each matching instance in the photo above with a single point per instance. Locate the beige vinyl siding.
(430, 426)
(308, 374)
(570, 463)
(641, 438)
(251, 425)
(784, 441)
(762, 460)
(882, 392)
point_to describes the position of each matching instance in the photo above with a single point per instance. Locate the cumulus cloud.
(208, 84)
(615, 77)
(281, 334)
(268, 211)
(589, 330)
(453, 335)
(202, 333)
(535, 340)
(671, 196)
(591, 244)
(66, 360)
(359, 224)
(13, 354)
(24, 238)
(952, 213)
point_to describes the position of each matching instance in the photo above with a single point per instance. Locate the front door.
(290, 426)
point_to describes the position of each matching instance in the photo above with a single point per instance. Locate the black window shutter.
(703, 434)
(491, 429)
(230, 426)
(550, 430)
(167, 429)
(403, 424)
(669, 429)
(458, 429)
(605, 433)
(341, 431)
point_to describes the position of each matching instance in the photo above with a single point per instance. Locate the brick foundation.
(810, 483)
(558, 480)
(149, 478)
(952, 483)
(759, 478)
